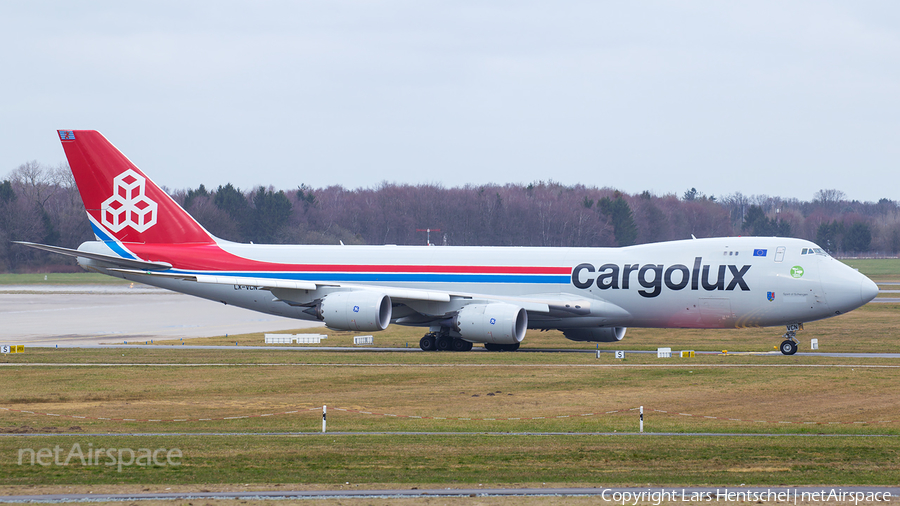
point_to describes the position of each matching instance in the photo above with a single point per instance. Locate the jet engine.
(497, 323)
(356, 310)
(595, 334)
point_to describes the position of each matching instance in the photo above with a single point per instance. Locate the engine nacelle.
(595, 334)
(357, 310)
(498, 323)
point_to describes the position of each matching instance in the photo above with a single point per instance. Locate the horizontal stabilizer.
(112, 259)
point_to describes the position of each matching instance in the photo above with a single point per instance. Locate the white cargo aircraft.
(463, 295)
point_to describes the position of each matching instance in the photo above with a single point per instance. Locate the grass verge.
(878, 269)
(472, 460)
(56, 278)
(174, 390)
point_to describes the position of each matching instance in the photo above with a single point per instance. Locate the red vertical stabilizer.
(122, 202)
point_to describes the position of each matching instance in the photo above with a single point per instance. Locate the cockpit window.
(814, 251)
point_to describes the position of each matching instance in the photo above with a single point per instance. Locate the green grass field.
(482, 394)
(878, 269)
(472, 460)
(57, 278)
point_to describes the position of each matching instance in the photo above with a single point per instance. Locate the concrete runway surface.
(41, 315)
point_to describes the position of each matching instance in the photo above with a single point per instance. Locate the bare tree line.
(42, 204)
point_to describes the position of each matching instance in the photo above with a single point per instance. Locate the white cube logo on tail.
(128, 206)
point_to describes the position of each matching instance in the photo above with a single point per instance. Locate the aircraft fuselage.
(701, 283)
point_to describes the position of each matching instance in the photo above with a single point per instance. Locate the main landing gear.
(790, 343)
(433, 341)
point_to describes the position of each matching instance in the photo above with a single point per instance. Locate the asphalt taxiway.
(618, 495)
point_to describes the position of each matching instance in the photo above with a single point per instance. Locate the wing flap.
(263, 282)
(227, 280)
(401, 294)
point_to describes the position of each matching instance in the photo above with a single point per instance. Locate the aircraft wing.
(394, 293)
(397, 294)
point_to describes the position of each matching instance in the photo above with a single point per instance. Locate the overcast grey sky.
(780, 98)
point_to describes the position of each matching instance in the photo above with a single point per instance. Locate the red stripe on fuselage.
(210, 257)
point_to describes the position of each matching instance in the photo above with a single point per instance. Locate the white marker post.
(642, 419)
(323, 418)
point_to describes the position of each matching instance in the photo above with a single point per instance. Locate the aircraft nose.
(867, 290)
(846, 289)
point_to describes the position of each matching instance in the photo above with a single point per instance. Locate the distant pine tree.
(619, 213)
(858, 237)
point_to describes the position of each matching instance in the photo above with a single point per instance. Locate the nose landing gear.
(790, 343)
(788, 347)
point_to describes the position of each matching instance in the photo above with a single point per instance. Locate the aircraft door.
(819, 298)
(779, 254)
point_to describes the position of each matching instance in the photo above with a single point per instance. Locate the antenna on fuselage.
(428, 237)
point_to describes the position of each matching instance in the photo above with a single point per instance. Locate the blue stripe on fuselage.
(112, 243)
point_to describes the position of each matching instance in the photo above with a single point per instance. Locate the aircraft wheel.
(427, 343)
(492, 347)
(445, 343)
(511, 347)
(788, 347)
